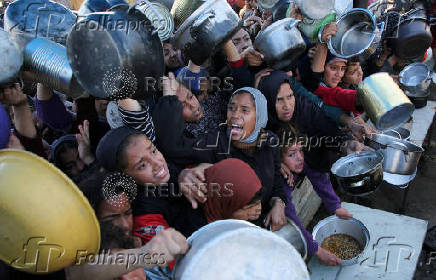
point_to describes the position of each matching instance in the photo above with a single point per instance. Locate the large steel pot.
(315, 9)
(182, 9)
(280, 53)
(292, 233)
(359, 174)
(203, 33)
(120, 62)
(384, 101)
(357, 33)
(334, 225)
(40, 18)
(46, 62)
(400, 133)
(160, 17)
(93, 6)
(416, 78)
(12, 58)
(400, 156)
(412, 38)
(46, 220)
(238, 250)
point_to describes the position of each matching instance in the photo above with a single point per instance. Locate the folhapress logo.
(38, 255)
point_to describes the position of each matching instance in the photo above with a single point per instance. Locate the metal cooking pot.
(357, 31)
(292, 233)
(343, 6)
(384, 101)
(160, 17)
(415, 78)
(280, 9)
(412, 38)
(44, 213)
(94, 6)
(419, 100)
(280, 53)
(400, 156)
(46, 62)
(40, 18)
(315, 9)
(116, 61)
(334, 225)
(203, 33)
(12, 58)
(359, 174)
(182, 9)
(238, 250)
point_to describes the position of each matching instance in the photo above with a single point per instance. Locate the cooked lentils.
(343, 246)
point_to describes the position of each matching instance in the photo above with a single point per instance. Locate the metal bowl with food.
(344, 238)
(400, 156)
(359, 174)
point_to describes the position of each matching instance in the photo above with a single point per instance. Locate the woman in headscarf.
(286, 108)
(234, 191)
(242, 136)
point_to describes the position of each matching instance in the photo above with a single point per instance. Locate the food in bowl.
(343, 246)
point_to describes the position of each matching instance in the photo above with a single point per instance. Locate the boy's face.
(294, 158)
(353, 74)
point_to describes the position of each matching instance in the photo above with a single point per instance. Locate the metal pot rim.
(389, 139)
(408, 68)
(340, 162)
(353, 11)
(196, 14)
(273, 27)
(365, 230)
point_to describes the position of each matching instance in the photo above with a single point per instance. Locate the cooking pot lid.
(39, 18)
(357, 164)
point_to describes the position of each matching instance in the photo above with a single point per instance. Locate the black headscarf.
(107, 149)
(270, 86)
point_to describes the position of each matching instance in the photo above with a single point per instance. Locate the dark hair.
(121, 152)
(63, 148)
(288, 136)
(92, 188)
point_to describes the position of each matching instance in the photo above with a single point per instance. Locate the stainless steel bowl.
(415, 78)
(281, 52)
(334, 225)
(357, 30)
(400, 133)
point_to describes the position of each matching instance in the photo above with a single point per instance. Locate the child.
(353, 75)
(293, 161)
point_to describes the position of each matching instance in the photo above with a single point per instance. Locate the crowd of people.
(234, 152)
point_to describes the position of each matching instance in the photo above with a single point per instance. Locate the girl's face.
(285, 103)
(241, 116)
(333, 73)
(294, 158)
(145, 163)
(353, 75)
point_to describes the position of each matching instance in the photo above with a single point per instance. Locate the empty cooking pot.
(334, 225)
(357, 30)
(116, 54)
(400, 133)
(292, 233)
(415, 78)
(400, 156)
(203, 33)
(384, 101)
(238, 250)
(27, 20)
(280, 53)
(359, 174)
